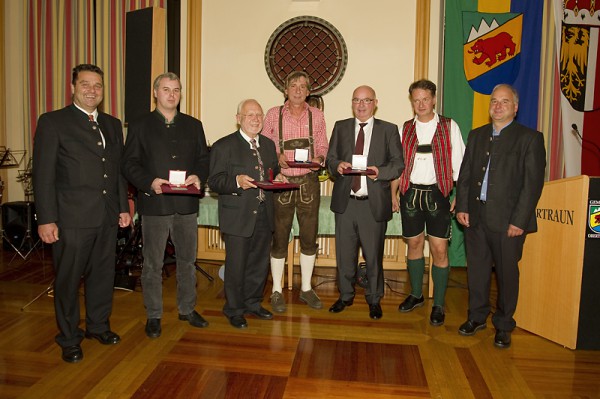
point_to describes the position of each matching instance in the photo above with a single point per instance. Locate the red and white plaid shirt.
(297, 128)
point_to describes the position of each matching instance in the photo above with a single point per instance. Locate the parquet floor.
(303, 353)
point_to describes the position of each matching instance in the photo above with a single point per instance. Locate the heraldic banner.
(577, 34)
(488, 42)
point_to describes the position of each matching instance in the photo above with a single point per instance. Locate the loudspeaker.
(145, 44)
(19, 221)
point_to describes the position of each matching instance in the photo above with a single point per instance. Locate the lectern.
(559, 294)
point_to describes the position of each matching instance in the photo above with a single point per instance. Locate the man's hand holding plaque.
(301, 160)
(178, 183)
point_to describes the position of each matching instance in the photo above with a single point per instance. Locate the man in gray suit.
(362, 203)
(500, 182)
(80, 199)
(246, 218)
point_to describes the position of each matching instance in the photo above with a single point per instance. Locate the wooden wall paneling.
(2, 98)
(194, 58)
(422, 39)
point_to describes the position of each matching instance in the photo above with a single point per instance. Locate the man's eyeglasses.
(362, 100)
(251, 116)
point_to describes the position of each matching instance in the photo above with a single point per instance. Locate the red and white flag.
(578, 31)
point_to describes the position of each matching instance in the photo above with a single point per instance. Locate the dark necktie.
(261, 169)
(358, 150)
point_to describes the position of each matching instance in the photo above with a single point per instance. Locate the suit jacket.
(153, 148)
(515, 180)
(385, 152)
(232, 156)
(77, 181)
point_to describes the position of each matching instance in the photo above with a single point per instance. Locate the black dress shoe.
(194, 319)
(470, 327)
(410, 303)
(340, 305)
(261, 313)
(502, 339)
(238, 322)
(105, 338)
(72, 354)
(437, 316)
(153, 329)
(375, 311)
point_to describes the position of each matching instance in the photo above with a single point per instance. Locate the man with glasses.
(365, 154)
(296, 127)
(433, 150)
(500, 182)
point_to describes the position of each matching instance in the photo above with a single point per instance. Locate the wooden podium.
(559, 294)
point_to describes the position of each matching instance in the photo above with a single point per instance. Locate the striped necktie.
(261, 169)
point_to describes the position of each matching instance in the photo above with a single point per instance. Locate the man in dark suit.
(500, 182)
(80, 199)
(245, 212)
(158, 143)
(362, 204)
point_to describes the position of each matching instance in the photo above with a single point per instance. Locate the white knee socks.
(307, 264)
(277, 266)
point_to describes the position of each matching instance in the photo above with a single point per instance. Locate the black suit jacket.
(77, 181)
(515, 181)
(232, 156)
(385, 152)
(153, 148)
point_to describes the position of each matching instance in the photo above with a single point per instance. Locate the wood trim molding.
(422, 39)
(159, 47)
(2, 79)
(194, 58)
(3, 172)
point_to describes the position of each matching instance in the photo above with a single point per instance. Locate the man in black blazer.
(80, 199)
(159, 142)
(245, 212)
(362, 205)
(500, 182)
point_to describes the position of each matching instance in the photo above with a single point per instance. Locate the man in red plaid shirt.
(296, 128)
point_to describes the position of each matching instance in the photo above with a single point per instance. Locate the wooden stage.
(303, 353)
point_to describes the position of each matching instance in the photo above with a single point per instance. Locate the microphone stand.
(575, 131)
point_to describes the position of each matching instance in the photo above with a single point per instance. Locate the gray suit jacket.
(515, 181)
(385, 152)
(76, 180)
(232, 156)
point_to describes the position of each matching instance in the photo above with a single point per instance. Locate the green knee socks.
(416, 269)
(439, 275)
